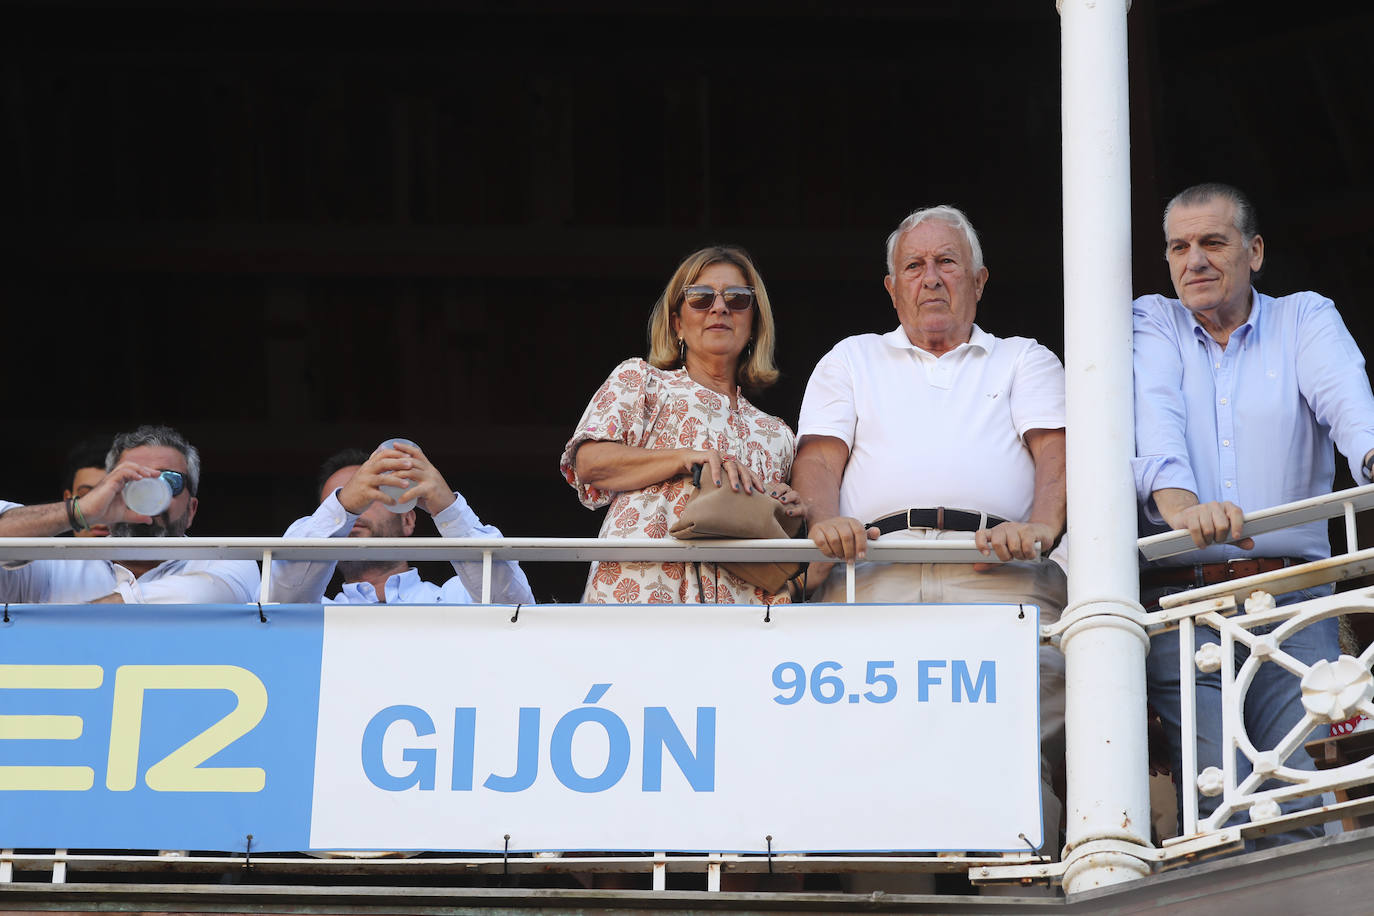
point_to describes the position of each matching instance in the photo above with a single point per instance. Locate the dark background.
(286, 228)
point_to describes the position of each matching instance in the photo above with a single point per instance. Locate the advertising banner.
(856, 728)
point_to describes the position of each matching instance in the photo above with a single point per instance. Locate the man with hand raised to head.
(353, 504)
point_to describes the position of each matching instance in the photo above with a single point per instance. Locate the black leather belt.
(939, 517)
(1209, 573)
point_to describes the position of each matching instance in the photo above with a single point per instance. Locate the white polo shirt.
(170, 582)
(924, 431)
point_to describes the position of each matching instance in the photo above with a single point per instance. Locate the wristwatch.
(1368, 467)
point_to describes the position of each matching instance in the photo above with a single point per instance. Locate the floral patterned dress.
(646, 407)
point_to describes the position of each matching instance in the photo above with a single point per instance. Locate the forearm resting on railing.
(35, 521)
(619, 468)
(816, 476)
(1208, 523)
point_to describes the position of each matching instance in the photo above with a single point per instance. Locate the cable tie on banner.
(513, 618)
(767, 613)
(261, 616)
(7, 613)
(247, 851)
(505, 859)
(1021, 614)
(769, 839)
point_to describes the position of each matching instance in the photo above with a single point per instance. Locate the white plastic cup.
(397, 492)
(148, 495)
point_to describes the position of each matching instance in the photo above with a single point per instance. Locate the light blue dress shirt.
(304, 581)
(405, 588)
(1252, 423)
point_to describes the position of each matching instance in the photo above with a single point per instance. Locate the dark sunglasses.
(701, 298)
(176, 480)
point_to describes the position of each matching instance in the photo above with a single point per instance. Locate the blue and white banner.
(573, 727)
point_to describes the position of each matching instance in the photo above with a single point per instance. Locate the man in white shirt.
(149, 451)
(354, 505)
(938, 429)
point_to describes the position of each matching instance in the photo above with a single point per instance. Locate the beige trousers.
(1019, 582)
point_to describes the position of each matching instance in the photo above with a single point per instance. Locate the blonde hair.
(757, 369)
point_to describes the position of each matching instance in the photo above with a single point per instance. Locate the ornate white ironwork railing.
(1331, 693)
(1243, 613)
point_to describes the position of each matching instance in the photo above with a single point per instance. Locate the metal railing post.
(660, 871)
(1187, 680)
(265, 588)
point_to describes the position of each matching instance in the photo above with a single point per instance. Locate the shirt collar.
(977, 338)
(165, 568)
(363, 591)
(1248, 330)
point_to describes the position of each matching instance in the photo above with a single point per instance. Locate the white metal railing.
(485, 550)
(1342, 503)
(1332, 692)
(1209, 605)
(1318, 508)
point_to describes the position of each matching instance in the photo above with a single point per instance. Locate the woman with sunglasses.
(710, 336)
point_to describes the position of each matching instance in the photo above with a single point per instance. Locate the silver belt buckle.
(939, 519)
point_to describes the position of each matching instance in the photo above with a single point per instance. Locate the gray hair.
(161, 436)
(945, 213)
(1245, 221)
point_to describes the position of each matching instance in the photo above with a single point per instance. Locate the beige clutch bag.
(721, 512)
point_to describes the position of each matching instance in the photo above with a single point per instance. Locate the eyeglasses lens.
(737, 298)
(176, 480)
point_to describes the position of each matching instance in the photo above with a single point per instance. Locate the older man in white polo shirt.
(937, 429)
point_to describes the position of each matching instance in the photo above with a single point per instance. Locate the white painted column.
(1105, 643)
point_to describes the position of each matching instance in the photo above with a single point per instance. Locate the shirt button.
(1217, 366)
(1226, 442)
(1223, 402)
(1228, 484)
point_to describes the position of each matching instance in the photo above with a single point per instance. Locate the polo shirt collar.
(977, 338)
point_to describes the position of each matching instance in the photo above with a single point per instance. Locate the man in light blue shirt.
(1238, 398)
(353, 504)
